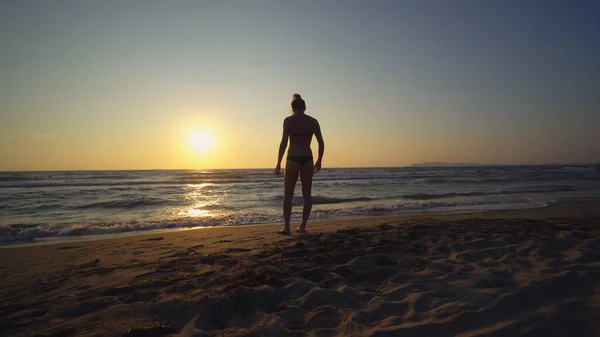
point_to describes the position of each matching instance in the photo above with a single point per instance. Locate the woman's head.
(298, 104)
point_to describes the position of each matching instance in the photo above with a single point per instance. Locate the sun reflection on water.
(195, 213)
(199, 185)
(200, 198)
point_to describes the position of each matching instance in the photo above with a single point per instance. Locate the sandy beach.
(503, 273)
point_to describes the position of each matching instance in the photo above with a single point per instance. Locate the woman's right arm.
(319, 137)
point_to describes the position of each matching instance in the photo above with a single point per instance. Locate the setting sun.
(201, 140)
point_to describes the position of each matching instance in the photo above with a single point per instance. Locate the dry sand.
(506, 273)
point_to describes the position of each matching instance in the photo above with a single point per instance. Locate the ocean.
(48, 206)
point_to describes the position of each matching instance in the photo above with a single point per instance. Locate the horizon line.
(414, 165)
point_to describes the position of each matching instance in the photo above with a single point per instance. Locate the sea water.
(38, 206)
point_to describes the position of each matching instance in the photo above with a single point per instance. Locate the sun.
(201, 140)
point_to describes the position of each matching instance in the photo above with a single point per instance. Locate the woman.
(299, 128)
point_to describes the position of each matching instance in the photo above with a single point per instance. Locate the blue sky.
(118, 84)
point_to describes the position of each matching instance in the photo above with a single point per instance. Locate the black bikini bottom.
(300, 160)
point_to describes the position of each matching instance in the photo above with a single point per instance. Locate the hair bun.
(297, 97)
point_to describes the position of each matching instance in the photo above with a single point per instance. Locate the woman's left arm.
(283, 145)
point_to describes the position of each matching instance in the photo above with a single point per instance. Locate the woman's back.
(301, 128)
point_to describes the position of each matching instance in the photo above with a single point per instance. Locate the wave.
(112, 183)
(540, 189)
(29, 232)
(127, 203)
(321, 200)
(533, 190)
(427, 207)
(38, 183)
(497, 180)
(427, 196)
(48, 206)
(110, 177)
(209, 175)
(14, 178)
(472, 181)
(572, 169)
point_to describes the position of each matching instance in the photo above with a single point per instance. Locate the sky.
(118, 84)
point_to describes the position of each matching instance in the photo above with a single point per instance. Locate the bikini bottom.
(300, 160)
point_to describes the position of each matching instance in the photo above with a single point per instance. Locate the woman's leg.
(290, 179)
(306, 177)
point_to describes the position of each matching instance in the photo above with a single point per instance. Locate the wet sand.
(502, 273)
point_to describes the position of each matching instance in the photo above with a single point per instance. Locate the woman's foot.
(301, 229)
(284, 231)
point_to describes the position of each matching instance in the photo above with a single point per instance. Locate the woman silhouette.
(299, 128)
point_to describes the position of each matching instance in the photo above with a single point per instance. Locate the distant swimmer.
(299, 129)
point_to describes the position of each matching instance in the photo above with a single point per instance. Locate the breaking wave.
(534, 190)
